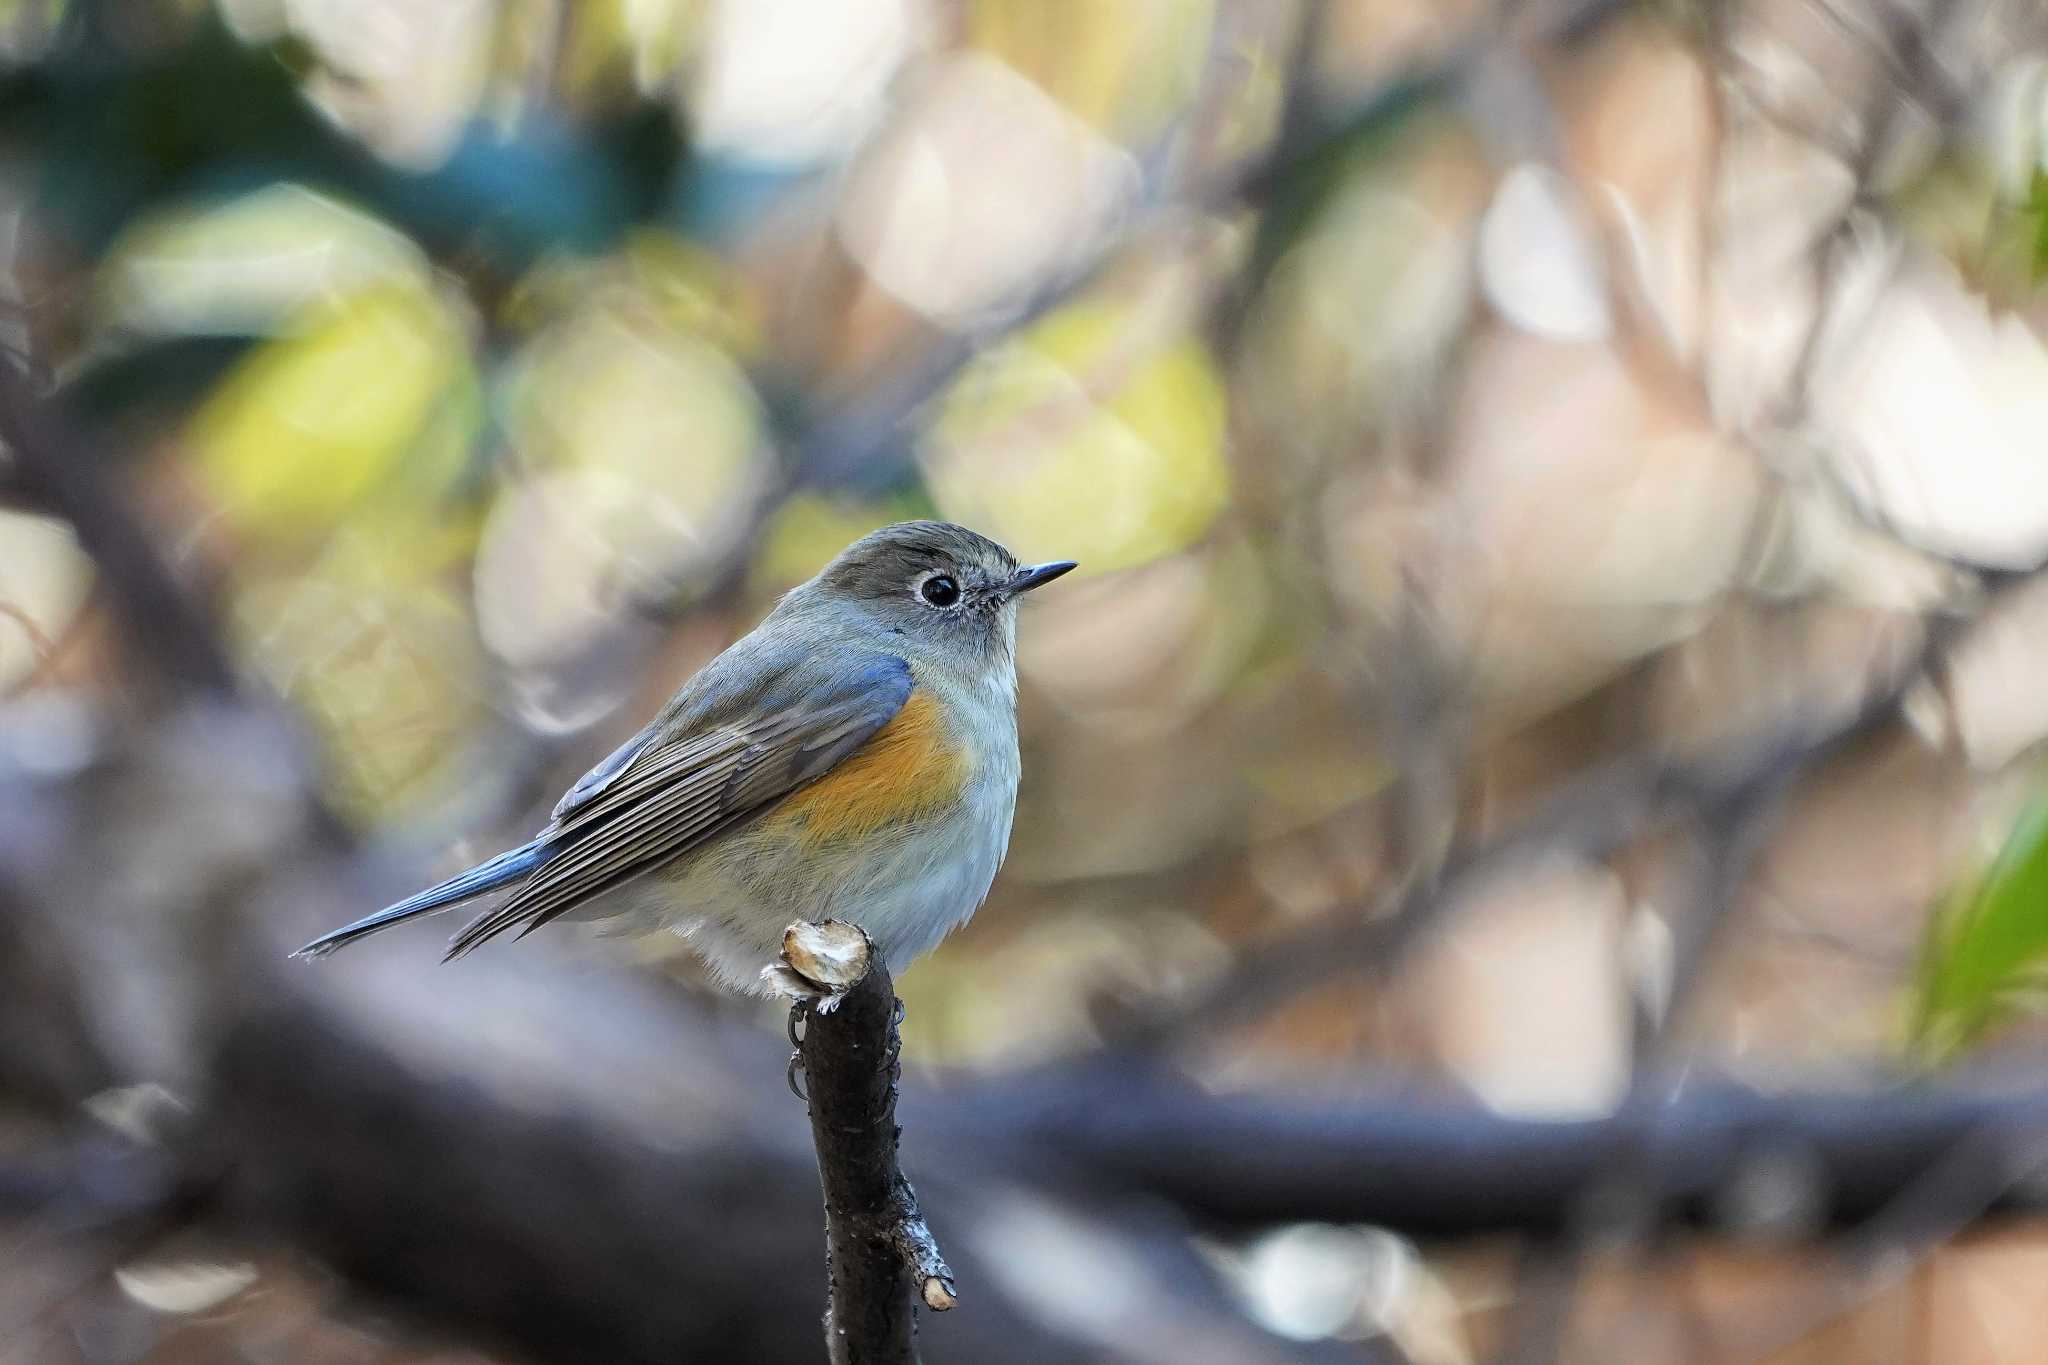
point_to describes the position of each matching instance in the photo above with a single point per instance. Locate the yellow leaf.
(319, 418)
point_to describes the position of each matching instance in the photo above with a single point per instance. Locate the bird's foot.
(798, 1012)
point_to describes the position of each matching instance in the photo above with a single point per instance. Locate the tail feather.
(508, 867)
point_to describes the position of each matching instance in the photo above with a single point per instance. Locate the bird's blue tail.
(508, 867)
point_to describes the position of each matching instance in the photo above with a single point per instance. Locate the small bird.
(853, 758)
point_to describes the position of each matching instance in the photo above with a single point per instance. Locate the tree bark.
(881, 1259)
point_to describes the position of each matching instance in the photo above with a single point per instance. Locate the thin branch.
(878, 1247)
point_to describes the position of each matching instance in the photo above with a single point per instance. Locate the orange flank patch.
(911, 769)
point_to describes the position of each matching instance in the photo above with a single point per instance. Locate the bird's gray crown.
(938, 593)
(881, 564)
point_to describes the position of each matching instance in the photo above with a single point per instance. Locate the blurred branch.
(877, 1243)
(1592, 817)
(90, 1180)
(1735, 825)
(53, 472)
(1913, 73)
(1891, 1245)
(1732, 832)
(519, 1151)
(1434, 1170)
(624, 1183)
(599, 1223)
(857, 433)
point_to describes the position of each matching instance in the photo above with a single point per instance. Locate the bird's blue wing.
(695, 776)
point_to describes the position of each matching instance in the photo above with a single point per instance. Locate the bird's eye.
(940, 590)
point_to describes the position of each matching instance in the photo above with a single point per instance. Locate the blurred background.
(1558, 486)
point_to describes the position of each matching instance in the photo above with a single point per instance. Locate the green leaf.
(1986, 954)
(2037, 210)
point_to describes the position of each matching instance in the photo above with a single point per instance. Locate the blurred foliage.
(1135, 71)
(1088, 431)
(2033, 221)
(370, 393)
(379, 653)
(208, 114)
(1986, 956)
(495, 363)
(1997, 235)
(1295, 202)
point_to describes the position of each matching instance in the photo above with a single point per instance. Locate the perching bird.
(853, 758)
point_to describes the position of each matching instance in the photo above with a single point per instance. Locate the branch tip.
(939, 1294)
(821, 961)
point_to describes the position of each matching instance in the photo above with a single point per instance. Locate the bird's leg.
(799, 1011)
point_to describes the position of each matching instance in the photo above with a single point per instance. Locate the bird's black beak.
(1036, 576)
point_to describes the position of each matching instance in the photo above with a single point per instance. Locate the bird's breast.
(915, 769)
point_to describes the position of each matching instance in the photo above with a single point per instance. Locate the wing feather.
(655, 799)
(601, 776)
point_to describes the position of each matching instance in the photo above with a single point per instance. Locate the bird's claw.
(798, 1012)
